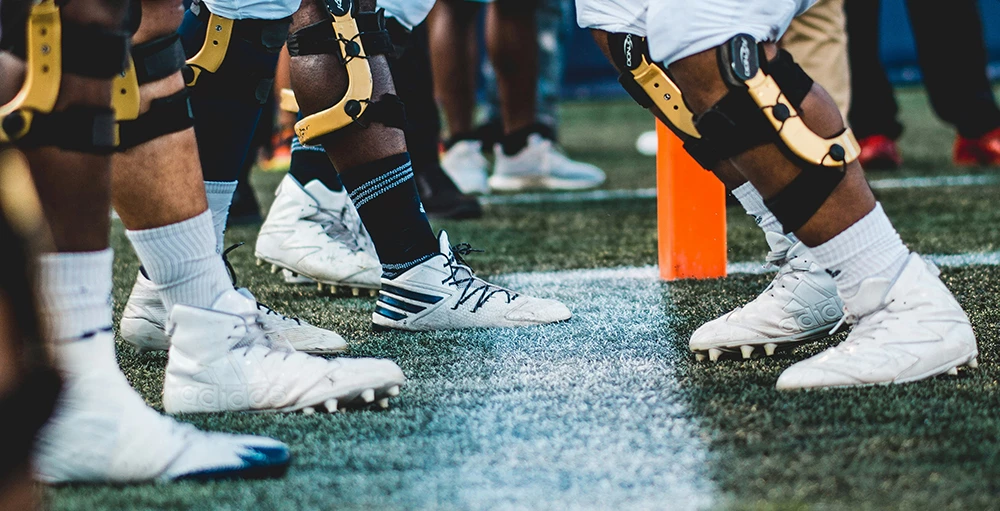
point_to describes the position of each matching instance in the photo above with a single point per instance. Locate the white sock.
(753, 203)
(75, 293)
(220, 197)
(180, 259)
(869, 248)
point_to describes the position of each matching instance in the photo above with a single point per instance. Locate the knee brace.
(51, 47)
(235, 43)
(762, 108)
(353, 37)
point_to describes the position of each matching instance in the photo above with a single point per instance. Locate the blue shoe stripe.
(391, 314)
(399, 304)
(412, 295)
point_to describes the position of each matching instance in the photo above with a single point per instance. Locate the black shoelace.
(473, 286)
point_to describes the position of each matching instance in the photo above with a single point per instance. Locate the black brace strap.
(157, 59)
(320, 38)
(165, 116)
(84, 129)
(269, 33)
(87, 50)
(799, 200)
(388, 111)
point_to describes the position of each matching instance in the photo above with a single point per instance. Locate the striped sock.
(180, 259)
(75, 292)
(390, 207)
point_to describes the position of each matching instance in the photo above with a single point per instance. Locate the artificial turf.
(608, 410)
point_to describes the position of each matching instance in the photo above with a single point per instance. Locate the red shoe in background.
(984, 150)
(879, 152)
(281, 151)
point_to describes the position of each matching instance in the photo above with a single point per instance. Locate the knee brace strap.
(157, 59)
(165, 116)
(28, 119)
(347, 37)
(269, 35)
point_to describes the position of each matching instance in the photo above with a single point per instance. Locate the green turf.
(607, 410)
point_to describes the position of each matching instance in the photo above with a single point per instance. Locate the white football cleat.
(144, 319)
(103, 432)
(466, 166)
(541, 166)
(799, 305)
(316, 233)
(221, 360)
(442, 293)
(904, 330)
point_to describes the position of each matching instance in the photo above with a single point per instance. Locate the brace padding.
(157, 59)
(165, 116)
(83, 129)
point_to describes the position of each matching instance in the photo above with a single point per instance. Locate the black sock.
(309, 165)
(513, 143)
(387, 200)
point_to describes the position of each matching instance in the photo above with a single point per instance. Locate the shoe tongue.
(778, 242)
(444, 245)
(324, 196)
(238, 302)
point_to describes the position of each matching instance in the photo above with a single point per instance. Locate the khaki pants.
(818, 41)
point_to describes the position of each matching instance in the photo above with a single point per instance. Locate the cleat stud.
(319, 286)
(331, 405)
(699, 357)
(368, 395)
(383, 403)
(373, 292)
(953, 371)
(974, 363)
(274, 268)
(714, 354)
(333, 290)
(393, 391)
(355, 291)
(260, 262)
(308, 410)
(747, 351)
(769, 348)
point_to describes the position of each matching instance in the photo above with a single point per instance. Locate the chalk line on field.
(650, 193)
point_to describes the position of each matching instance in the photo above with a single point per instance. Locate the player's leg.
(801, 303)
(784, 133)
(157, 181)
(526, 157)
(102, 429)
(425, 285)
(214, 327)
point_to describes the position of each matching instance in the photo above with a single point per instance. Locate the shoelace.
(340, 225)
(232, 277)
(473, 285)
(861, 330)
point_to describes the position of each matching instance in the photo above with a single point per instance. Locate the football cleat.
(541, 166)
(103, 432)
(984, 150)
(221, 360)
(443, 293)
(465, 164)
(317, 234)
(879, 152)
(799, 305)
(904, 330)
(144, 319)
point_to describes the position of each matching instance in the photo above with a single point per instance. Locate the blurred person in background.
(952, 58)
(526, 155)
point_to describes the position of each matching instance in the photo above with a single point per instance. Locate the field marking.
(651, 273)
(650, 193)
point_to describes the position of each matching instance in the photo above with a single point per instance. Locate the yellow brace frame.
(213, 50)
(801, 140)
(359, 89)
(125, 94)
(40, 90)
(665, 95)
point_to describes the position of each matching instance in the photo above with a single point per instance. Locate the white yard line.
(650, 193)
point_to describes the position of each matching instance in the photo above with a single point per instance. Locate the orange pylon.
(691, 214)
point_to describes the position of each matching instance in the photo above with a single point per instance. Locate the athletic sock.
(869, 248)
(181, 261)
(76, 293)
(753, 203)
(310, 164)
(386, 197)
(512, 143)
(220, 197)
